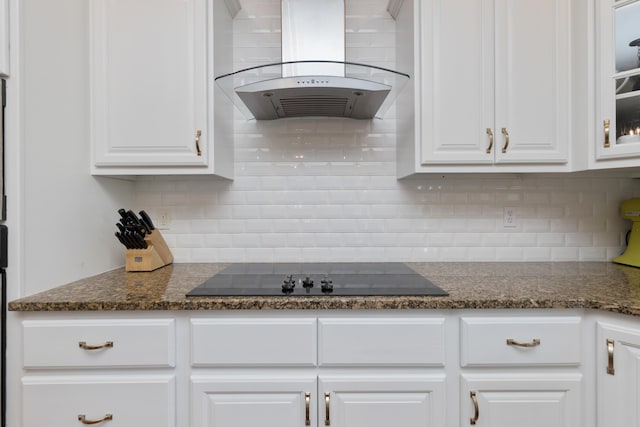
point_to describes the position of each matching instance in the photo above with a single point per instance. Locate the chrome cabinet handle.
(607, 127)
(83, 419)
(610, 369)
(307, 408)
(476, 410)
(535, 342)
(490, 147)
(327, 405)
(198, 135)
(83, 345)
(506, 140)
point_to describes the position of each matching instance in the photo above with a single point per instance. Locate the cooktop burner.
(302, 279)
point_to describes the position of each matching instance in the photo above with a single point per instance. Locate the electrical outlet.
(163, 219)
(509, 219)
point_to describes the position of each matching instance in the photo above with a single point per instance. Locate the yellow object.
(631, 210)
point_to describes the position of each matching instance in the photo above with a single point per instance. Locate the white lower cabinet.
(112, 371)
(523, 400)
(413, 368)
(339, 401)
(381, 401)
(618, 374)
(546, 388)
(251, 400)
(390, 371)
(116, 401)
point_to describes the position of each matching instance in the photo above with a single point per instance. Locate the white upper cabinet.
(152, 97)
(4, 38)
(491, 88)
(617, 124)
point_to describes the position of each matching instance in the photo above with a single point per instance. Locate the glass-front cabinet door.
(618, 95)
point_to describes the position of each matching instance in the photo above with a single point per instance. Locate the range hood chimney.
(313, 78)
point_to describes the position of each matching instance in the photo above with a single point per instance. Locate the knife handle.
(147, 219)
(121, 239)
(133, 218)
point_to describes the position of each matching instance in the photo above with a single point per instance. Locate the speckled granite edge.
(592, 285)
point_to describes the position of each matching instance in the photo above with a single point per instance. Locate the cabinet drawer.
(261, 342)
(381, 342)
(520, 341)
(135, 401)
(107, 343)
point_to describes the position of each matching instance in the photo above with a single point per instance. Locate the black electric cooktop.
(316, 279)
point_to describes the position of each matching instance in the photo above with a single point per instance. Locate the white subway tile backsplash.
(518, 239)
(579, 240)
(535, 225)
(605, 239)
(218, 240)
(510, 254)
(499, 240)
(467, 239)
(537, 254)
(204, 226)
(592, 254)
(325, 189)
(565, 254)
(564, 225)
(550, 239)
(190, 240)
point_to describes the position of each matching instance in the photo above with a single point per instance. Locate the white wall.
(67, 215)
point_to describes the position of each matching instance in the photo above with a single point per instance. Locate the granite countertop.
(596, 285)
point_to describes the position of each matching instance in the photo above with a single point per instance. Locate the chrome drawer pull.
(83, 345)
(307, 404)
(490, 133)
(83, 419)
(476, 410)
(506, 140)
(534, 343)
(198, 135)
(610, 369)
(327, 405)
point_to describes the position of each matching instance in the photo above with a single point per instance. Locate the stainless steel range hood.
(313, 78)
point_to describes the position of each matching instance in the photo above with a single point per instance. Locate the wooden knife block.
(156, 255)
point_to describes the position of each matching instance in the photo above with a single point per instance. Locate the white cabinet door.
(618, 376)
(617, 126)
(456, 78)
(4, 38)
(151, 105)
(494, 81)
(532, 81)
(253, 401)
(523, 400)
(286, 401)
(380, 401)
